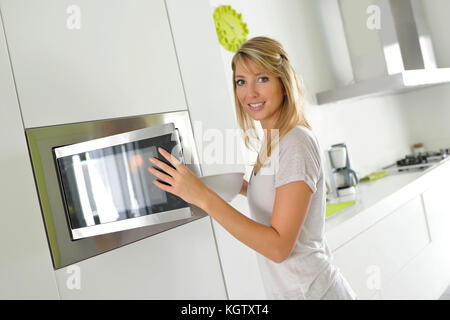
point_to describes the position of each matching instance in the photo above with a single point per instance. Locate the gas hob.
(418, 162)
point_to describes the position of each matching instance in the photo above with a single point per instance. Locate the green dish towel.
(374, 176)
(333, 208)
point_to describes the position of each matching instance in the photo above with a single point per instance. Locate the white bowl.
(226, 185)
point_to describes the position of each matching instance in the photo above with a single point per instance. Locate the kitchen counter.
(376, 199)
(394, 242)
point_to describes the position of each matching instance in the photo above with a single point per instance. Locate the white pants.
(340, 290)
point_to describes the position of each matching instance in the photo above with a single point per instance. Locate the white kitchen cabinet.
(436, 203)
(181, 263)
(406, 253)
(212, 113)
(372, 258)
(201, 66)
(426, 276)
(26, 270)
(120, 62)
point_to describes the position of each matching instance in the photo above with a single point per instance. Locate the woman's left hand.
(182, 181)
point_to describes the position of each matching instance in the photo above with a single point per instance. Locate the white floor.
(446, 294)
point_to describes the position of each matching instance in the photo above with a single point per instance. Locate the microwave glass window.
(113, 183)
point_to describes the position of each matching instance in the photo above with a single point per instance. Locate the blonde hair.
(270, 56)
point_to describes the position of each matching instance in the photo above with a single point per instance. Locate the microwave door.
(143, 192)
(76, 196)
(130, 185)
(139, 201)
(109, 208)
(106, 183)
(147, 195)
(113, 172)
(89, 191)
(153, 195)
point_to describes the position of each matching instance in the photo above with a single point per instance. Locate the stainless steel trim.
(157, 218)
(114, 140)
(41, 142)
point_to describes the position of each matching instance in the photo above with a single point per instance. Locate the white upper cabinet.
(26, 270)
(85, 60)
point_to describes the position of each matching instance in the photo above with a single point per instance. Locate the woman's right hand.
(244, 188)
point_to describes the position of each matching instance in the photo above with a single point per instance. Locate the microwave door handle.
(178, 140)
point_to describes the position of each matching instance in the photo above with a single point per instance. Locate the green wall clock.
(231, 30)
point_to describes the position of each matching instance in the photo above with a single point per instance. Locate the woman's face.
(260, 94)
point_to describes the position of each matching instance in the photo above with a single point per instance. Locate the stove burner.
(411, 160)
(423, 158)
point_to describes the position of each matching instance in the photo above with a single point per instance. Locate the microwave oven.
(94, 186)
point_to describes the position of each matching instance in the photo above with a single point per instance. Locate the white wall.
(428, 115)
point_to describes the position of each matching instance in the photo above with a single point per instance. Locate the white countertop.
(376, 199)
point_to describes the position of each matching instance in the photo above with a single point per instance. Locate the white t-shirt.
(308, 272)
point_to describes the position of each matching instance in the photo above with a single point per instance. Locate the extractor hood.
(370, 57)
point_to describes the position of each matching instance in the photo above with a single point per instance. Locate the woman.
(287, 200)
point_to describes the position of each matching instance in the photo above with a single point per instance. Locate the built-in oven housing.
(95, 190)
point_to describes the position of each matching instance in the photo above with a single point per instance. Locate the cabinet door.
(87, 60)
(427, 275)
(436, 205)
(212, 112)
(26, 270)
(370, 260)
(179, 264)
